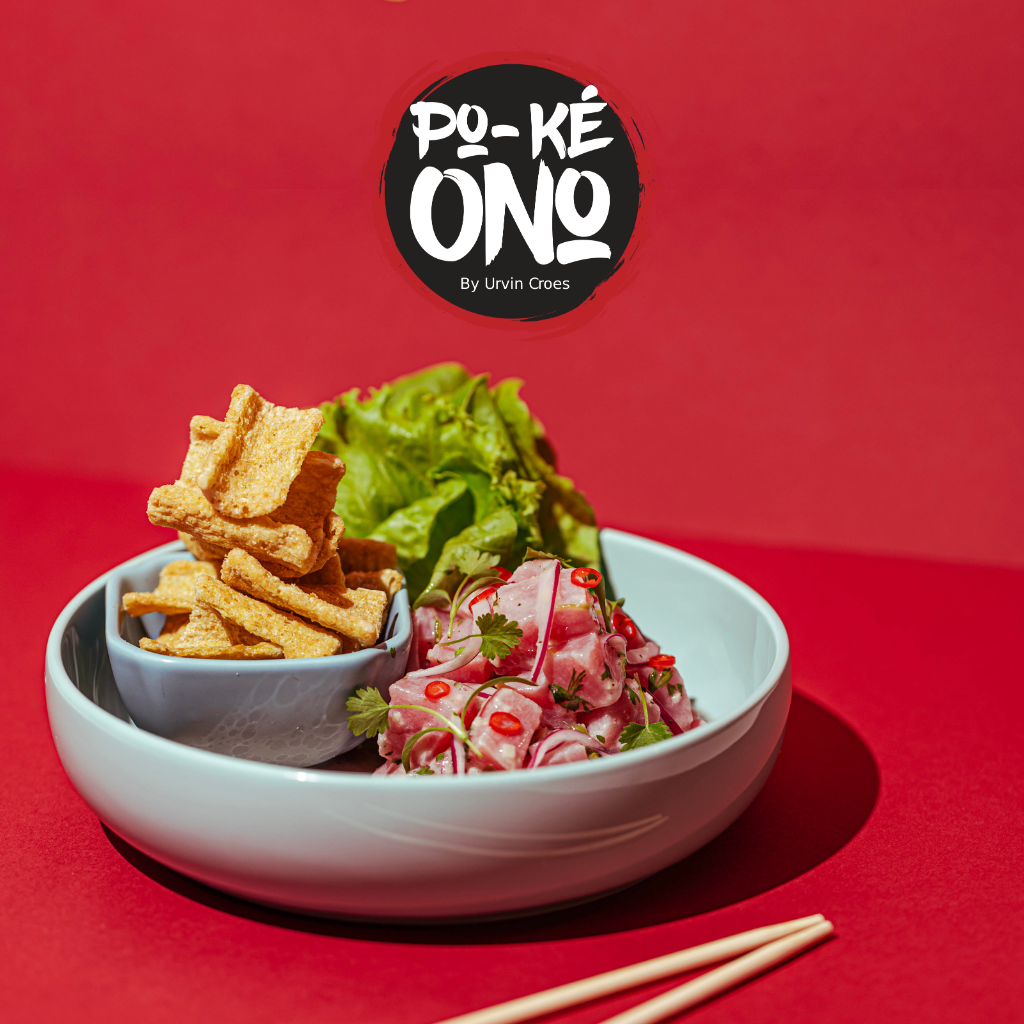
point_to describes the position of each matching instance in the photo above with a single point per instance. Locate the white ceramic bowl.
(446, 846)
(288, 711)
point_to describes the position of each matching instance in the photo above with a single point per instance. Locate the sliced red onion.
(558, 738)
(547, 594)
(459, 756)
(472, 649)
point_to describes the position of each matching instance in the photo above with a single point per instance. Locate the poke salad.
(522, 669)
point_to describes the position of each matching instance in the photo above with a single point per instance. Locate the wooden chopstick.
(629, 977)
(722, 978)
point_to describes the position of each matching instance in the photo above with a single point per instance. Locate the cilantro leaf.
(368, 712)
(499, 635)
(637, 735)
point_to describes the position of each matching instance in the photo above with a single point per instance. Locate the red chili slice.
(660, 661)
(482, 596)
(588, 578)
(505, 723)
(500, 570)
(437, 689)
(623, 624)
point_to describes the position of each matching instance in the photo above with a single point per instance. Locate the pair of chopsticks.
(763, 948)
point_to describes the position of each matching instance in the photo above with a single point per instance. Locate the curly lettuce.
(441, 464)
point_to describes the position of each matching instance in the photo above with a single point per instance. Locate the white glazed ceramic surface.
(446, 846)
(287, 711)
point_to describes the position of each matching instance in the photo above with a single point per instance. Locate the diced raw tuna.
(564, 754)
(581, 681)
(529, 570)
(574, 614)
(674, 703)
(443, 651)
(478, 671)
(642, 654)
(587, 668)
(575, 611)
(554, 718)
(404, 722)
(499, 749)
(517, 601)
(605, 724)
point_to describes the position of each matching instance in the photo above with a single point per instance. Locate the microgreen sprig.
(569, 696)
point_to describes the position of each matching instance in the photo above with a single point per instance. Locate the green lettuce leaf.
(495, 534)
(439, 463)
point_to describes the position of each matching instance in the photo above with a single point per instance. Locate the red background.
(821, 350)
(822, 345)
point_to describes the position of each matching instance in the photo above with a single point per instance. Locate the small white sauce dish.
(424, 848)
(286, 711)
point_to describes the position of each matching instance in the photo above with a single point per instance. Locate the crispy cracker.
(173, 625)
(238, 652)
(203, 552)
(313, 492)
(388, 580)
(360, 554)
(184, 508)
(207, 634)
(298, 639)
(257, 455)
(371, 605)
(329, 573)
(203, 431)
(357, 615)
(334, 527)
(208, 628)
(328, 538)
(175, 591)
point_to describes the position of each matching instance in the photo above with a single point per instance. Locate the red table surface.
(894, 809)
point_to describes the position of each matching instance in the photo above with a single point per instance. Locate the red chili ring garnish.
(437, 689)
(661, 661)
(588, 578)
(505, 723)
(482, 596)
(500, 570)
(626, 626)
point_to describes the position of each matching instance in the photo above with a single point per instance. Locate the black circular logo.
(512, 190)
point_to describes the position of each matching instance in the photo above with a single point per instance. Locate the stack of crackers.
(274, 576)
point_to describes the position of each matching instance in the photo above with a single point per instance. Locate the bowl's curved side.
(332, 843)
